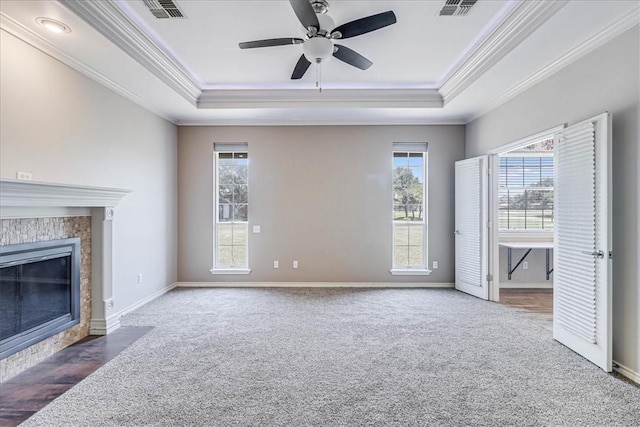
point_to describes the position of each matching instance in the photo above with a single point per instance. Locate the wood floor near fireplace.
(26, 393)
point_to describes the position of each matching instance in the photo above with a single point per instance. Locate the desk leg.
(511, 270)
(549, 271)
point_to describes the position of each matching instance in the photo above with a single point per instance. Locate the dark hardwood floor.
(26, 393)
(536, 303)
(535, 300)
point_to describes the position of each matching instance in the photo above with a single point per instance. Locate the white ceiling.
(426, 68)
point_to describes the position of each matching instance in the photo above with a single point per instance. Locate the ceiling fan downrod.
(320, 6)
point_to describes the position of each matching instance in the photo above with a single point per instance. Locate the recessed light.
(53, 25)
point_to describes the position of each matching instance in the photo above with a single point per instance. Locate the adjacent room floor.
(537, 303)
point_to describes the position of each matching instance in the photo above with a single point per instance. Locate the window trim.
(226, 148)
(422, 270)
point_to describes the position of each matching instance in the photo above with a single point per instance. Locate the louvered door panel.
(470, 234)
(581, 311)
(575, 225)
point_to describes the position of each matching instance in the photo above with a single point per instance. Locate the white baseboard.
(146, 300)
(312, 285)
(106, 326)
(629, 373)
(547, 285)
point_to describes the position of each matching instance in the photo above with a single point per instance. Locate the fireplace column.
(103, 320)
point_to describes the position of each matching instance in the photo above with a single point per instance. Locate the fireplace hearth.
(39, 292)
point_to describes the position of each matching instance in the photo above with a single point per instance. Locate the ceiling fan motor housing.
(326, 24)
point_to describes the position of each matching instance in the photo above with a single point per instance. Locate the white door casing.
(471, 199)
(582, 235)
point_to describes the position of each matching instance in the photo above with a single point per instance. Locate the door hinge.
(610, 255)
(489, 277)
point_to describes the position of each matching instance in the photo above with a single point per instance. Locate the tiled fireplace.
(41, 212)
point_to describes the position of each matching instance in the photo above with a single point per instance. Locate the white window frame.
(423, 269)
(217, 269)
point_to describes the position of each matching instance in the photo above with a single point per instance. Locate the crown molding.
(332, 121)
(107, 18)
(328, 98)
(19, 193)
(523, 20)
(614, 30)
(34, 39)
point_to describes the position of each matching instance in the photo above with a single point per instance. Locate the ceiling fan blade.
(351, 57)
(365, 25)
(301, 67)
(305, 13)
(270, 42)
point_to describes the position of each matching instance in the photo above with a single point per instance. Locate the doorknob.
(598, 254)
(457, 232)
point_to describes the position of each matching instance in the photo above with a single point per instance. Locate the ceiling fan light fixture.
(318, 49)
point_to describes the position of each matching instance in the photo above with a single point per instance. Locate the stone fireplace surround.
(35, 211)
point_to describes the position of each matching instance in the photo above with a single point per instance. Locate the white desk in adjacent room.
(529, 246)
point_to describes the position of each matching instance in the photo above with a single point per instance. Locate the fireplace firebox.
(39, 292)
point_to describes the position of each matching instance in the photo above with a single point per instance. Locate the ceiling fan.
(318, 43)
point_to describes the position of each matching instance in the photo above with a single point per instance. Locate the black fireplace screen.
(39, 292)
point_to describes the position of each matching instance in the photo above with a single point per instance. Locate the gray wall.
(64, 127)
(604, 80)
(322, 196)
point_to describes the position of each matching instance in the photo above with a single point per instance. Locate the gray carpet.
(329, 357)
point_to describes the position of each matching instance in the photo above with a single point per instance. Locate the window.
(232, 206)
(526, 188)
(409, 208)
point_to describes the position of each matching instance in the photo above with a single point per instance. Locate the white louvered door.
(471, 198)
(582, 262)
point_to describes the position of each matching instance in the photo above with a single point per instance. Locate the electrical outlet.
(140, 279)
(295, 264)
(525, 265)
(276, 264)
(27, 176)
(435, 265)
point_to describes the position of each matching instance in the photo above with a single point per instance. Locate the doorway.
(521, 207)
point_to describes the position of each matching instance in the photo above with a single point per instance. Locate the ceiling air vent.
(163, 9)
(457, 7)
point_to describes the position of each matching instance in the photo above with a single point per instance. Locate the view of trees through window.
(526, 188)
(232, 207)
(408, 209)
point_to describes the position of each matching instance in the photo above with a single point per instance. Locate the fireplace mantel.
(28, 199)
(20, 193)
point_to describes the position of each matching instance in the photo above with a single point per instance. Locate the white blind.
(230, 146)
(469, 212)
(416, 147)
(575, 226)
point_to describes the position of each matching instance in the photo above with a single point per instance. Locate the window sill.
(230, 270)
(410, 272)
